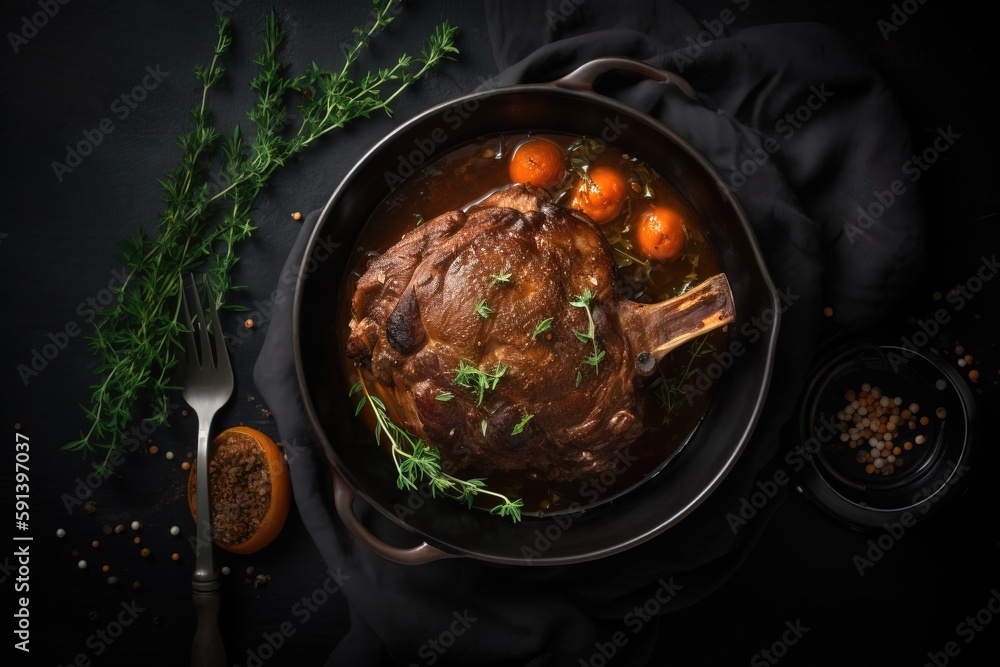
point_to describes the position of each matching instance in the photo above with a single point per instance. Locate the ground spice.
(239, 488)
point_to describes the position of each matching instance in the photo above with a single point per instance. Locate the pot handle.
(584, 76)
(343, 499)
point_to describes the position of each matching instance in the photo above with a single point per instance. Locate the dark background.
(58, 244)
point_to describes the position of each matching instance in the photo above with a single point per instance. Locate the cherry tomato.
(660, 233)
(602, 195)
(539, 162)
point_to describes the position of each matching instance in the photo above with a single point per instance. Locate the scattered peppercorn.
(82, 565)
(170, 456)
(828, 312)
(185, 466)
(90, 507)
(974, 375)
(95, 544)
(92, 615)
(112, 580)
(105, 568)
(136, 585)
(120, 528)
(106, 530)
(154, 449)
(174, 530)
(175, 556)
(60, 533)
(248, 323)
(296, 216)
(145, 552)
(136, 525)
(136, 540)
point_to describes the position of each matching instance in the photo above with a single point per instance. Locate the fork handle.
(207, 649)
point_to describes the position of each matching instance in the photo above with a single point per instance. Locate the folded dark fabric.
(811, 142)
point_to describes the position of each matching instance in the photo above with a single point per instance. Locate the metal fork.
(208, 384)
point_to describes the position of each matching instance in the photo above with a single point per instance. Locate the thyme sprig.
(417, 462)
(208, 200)
(478, 381)
(500, 278)
(483, 309)
(542, 327)
(520, 426)
(673, 392)
(583, 300)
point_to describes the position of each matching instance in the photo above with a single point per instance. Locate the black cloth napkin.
(808, 135)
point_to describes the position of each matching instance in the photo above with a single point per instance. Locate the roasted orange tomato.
(245, 531)
(660, 233)
(602, 195)
(539, 162)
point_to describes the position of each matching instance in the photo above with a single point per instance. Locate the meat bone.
(656, 329)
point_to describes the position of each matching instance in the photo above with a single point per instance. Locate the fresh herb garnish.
(590, 335)
(445, 396)
(542, 327)
(483, 309)
(672, 392)
(209, 198)
(417, 462)
(519, 426)
(643, 176)
(500, 278)
(478, 381)
(483, 425)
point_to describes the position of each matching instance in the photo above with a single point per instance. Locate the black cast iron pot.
(446, 528)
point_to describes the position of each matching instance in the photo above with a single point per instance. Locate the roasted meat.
(497, 332)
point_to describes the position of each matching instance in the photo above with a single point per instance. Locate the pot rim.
(757, 259)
